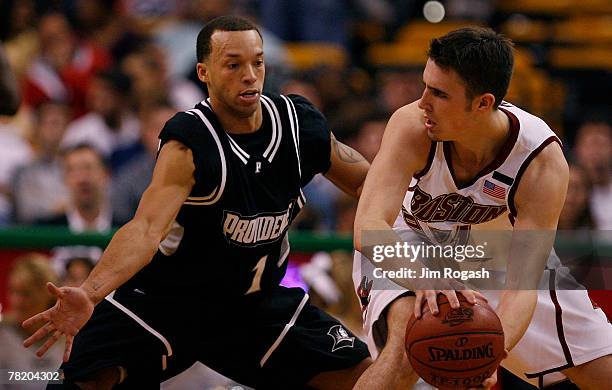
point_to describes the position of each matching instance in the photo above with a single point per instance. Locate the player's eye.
(259, 62)
(232, 66)
(437, 93)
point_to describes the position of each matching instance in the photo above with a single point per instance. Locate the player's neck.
(483, 144)
(237, 123)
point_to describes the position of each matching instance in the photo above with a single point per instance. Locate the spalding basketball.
(457, 348)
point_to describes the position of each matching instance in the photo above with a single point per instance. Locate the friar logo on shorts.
(341, 337)
(256, 229)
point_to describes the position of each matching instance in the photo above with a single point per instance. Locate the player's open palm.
(70, 313)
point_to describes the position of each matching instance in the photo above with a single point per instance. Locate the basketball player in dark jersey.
(195, 275)
(9, 93)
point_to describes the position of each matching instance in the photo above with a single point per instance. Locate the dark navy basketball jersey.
(230, 235)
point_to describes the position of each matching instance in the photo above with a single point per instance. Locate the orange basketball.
(458, 348)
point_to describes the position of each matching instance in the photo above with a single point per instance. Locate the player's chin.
(246, 110)
(434, 136)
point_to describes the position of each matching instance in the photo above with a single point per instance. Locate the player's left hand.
(70, 313)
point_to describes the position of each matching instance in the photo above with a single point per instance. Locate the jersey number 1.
(259, 269)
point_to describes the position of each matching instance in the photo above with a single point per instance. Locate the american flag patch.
(494, 190)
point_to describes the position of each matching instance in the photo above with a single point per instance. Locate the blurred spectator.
(321, 197)
(27, 296)
(77, 270)
(18, 26)
(87, 179)
(111, 126)
(398, 88)
(370, 135)
(151, 82)
(346, 208)
(38, 187)
(9, 93)
(593, 152)
(303, 88)
(306, 20)
(64, 67)
(105, 25)
(576, 213)
(476, 10)
(14, 152)
(178, 36)
(129, 185)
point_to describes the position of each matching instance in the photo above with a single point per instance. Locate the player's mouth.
(249, 96)
(429, 124)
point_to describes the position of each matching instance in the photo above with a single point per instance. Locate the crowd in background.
(100, 78)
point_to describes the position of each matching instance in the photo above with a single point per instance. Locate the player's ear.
(202, 69)
(486, 101)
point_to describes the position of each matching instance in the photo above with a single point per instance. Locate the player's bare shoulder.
(542, 188)
(406, 131)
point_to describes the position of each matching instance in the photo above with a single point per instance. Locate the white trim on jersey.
(297, 125)
(277, 128)
(285, 249)
(218, 191)
(290, 113)
(301, 199)
(238, 151)
(284, 332)
(110, 298)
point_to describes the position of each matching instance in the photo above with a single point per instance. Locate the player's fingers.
(418, 303)
(479, 295)
(472, 296)
(50, 341)
(68, 347)
(452, 298)
(432, 301)
(53, 289)
(38, 335)
(38, 318)
(490, 382)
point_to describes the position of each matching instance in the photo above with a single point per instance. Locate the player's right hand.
(431, 297)
(70, 313)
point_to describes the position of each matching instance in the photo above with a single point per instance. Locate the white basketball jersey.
(443, 212)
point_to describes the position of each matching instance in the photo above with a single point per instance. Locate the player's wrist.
(92, 294)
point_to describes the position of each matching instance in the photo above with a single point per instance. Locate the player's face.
(235, 71)
(447, 111)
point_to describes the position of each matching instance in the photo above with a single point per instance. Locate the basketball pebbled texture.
(458, 348)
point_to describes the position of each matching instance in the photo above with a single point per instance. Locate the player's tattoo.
(346, 153)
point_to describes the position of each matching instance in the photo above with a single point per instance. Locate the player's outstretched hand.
(70, 313)
(431, 297)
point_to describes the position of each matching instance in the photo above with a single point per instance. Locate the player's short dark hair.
(222, 23)
(482, 58)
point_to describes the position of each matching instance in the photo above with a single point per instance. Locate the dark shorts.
(269, 340)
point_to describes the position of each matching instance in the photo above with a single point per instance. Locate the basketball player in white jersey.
(460, 158)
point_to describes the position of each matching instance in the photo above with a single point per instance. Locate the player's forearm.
(349, 177)
(515, 310)
(130, 249)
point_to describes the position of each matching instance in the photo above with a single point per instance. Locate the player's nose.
(249, 76)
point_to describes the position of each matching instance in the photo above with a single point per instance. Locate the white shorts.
(565, 331)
